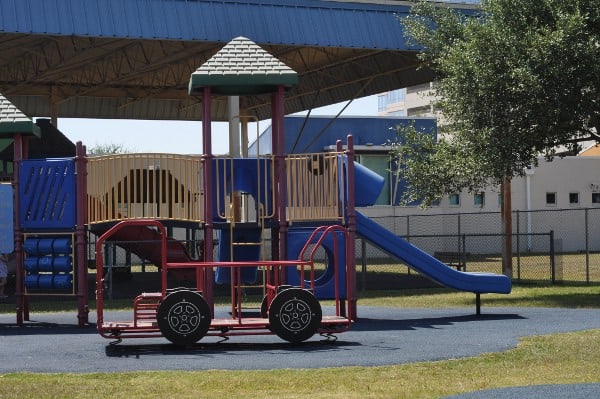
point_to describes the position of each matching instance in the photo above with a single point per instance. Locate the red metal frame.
(144, 323)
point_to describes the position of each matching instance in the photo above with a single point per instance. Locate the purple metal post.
(351, 217)
(19, 298)
(207, 157)
(80, 237)
(281, 180)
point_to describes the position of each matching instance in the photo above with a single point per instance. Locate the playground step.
(246, 243)
(145, 307)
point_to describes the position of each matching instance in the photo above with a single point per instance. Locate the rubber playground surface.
(52, 343)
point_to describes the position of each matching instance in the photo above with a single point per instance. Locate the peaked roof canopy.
(13, 121)
(242, 67)
(133, 58)
(52, 144)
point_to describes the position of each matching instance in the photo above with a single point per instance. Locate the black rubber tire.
(183, 317)
(264, 307)
(295, 315)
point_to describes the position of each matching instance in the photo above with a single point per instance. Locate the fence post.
(552, 260)
(587, 247)
(463, 254)
(363, 270)
(458, 232)
(408, 236)
(518, 245)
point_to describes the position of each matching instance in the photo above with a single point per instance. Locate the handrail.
(324, 231)
(100, 258)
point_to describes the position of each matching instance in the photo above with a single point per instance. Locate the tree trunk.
(506, 215)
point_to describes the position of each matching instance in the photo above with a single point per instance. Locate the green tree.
(107, 149)
(516, 79)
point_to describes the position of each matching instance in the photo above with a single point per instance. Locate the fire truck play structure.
(264, 220)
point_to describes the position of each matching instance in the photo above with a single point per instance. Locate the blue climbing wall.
(47, 194)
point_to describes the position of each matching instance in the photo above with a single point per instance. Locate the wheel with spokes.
(295, 315)
(183, 317)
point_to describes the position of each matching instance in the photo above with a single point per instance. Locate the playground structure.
(304, 201)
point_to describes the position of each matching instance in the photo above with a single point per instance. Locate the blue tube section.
(368, 185)
(325, 282)
(426, 264)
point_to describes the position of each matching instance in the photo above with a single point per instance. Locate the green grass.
(522, 295)
(559, 358)
(563, 296)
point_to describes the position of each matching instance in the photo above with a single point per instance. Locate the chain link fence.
(548, 245)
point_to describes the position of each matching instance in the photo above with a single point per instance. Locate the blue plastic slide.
(426, 264)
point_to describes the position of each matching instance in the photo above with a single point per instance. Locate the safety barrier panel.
(243, 188)
(145, 186)
(169, 187)
(314, 187)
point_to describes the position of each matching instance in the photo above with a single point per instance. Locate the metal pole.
(363, 255)
(458, 231)
(351, 213)
(408, 237)
(18, 231)
(587, 247)
(552, 259)
(80, 236)
(204, 280)
(518, 245)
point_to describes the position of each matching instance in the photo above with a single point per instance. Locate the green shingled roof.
(242, 67)
(13, 121)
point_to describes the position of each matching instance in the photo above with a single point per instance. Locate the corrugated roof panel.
(307, 22)
(202, 24)
(23, 16)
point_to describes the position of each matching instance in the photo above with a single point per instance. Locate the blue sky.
(178, 137)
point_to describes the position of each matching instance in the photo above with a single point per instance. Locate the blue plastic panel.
(49, 281)
(6, 219)
(248, 274)
(47, 246)
(47, 194)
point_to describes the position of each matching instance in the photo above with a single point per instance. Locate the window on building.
(388, 99)
(397, 113)
(379, 164)
(479, 200)
(396, 96)
(381, 103)
(418, 88)
(596, 198)
(550, 199)
(574, 198)
(499, 200)
(454, 199)
(418, 111)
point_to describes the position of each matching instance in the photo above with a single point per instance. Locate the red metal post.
(80, 236)
(206, 275)
(280, 175)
